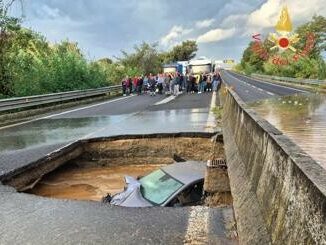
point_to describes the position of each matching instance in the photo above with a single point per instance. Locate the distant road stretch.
(250, 89)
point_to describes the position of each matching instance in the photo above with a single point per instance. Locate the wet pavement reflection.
(51, 131)
(63, 130)
(90, 183)
(302, 117)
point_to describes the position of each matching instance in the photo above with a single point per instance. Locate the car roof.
(186, 172)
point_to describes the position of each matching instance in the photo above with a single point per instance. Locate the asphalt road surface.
(250, 89)
(29, 141)
(29, 219)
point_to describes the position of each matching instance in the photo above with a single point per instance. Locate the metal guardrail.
(30, 101)
(293, 80)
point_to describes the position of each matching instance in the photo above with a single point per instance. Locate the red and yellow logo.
(284, 39)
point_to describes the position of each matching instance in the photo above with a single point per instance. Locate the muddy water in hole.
(90, 183)
(302, 117)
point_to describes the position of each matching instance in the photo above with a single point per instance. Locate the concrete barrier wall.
(279, 191)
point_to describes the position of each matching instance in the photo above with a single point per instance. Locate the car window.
(158, 186)
(192, 195)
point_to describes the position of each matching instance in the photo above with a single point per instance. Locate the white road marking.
(250, 85)
(211, 122)
(270, 93)
(277, 85)
(198, 225)
(86, 107)
(65, 112)
(166, 100)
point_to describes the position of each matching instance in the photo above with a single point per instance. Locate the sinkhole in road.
(100, 166)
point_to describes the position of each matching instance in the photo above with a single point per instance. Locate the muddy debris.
(102, 165)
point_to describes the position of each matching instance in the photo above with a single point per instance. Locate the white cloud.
(175, 34)
(216, 35)
(51, 13)
(235, 20)
(300, 11)
(204, 23)
(266, 16)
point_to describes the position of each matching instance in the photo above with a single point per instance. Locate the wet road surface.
(301, 117)
(250, 90)
(298, 114)
(25, 143)
(29, 219)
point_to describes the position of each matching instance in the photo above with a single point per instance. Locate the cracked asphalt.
(29, 219)
(27, 142)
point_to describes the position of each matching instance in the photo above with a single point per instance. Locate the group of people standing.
(171, 83)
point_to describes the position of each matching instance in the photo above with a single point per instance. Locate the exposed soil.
(101, 168)
(219, 199)
(150, 151)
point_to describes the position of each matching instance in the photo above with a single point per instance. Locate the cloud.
(103, 28)
(216, 35)
(300, 11)
(266, 16)
(204, 23)
(47, 12)
(175, 34)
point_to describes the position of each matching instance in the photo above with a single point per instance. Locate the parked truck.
(200, 65)
(179, 66)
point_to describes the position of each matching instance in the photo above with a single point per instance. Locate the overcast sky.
(104, 27)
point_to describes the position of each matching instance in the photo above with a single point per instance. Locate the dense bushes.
(33, 66)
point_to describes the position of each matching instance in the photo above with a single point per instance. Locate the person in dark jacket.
(140, 82)
(189, 83)
(176, 82)
(124, 86)
(152, 85)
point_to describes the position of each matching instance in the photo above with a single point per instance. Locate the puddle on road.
(302, 117)
(91, 183)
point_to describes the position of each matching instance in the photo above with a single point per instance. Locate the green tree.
(185, 51)
(105, 61)
(317, 26)
(145, 59)
(7, 27)
(251, 61)
(309, 66)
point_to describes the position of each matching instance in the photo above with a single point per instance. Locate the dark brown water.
(302, 118)
(88, 183)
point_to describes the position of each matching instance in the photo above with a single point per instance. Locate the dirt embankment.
(150, 151)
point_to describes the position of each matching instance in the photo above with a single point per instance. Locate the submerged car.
(177, 184)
